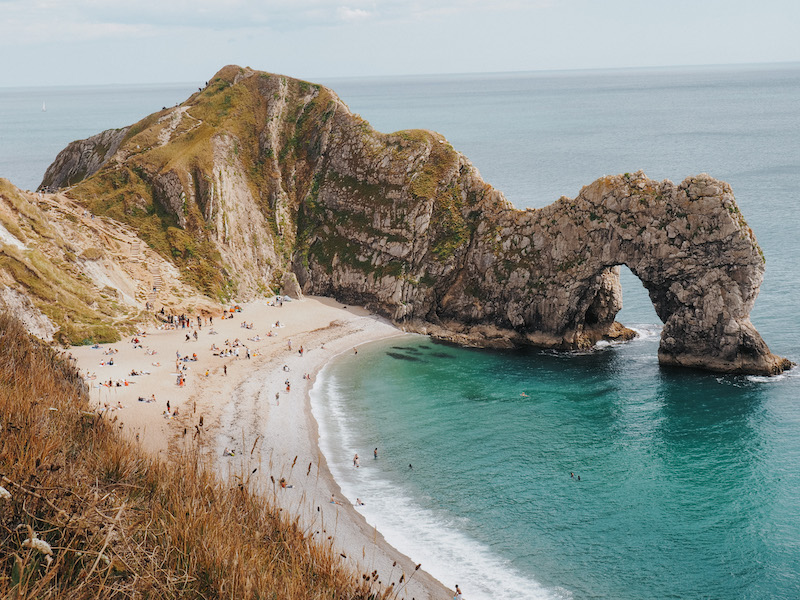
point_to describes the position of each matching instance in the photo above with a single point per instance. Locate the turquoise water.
(689, 485)
(689, 481)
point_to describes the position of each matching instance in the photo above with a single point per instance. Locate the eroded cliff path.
(257, 175)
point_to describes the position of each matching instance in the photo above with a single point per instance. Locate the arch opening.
(637, 307)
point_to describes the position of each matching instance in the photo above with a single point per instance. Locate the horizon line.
(574, 71)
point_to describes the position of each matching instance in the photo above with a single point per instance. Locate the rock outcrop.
(82, 159)
(291, 287)
(260, 174)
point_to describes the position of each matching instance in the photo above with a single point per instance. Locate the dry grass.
(122, 525)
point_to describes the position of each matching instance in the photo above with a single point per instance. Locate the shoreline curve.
(229, 403)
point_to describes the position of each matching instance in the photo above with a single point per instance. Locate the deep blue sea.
(689, 481)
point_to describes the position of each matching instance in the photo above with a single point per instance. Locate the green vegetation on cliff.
(272, 124)
(317, 175)
(287, 141)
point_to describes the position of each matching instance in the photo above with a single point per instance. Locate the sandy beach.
(244, 414)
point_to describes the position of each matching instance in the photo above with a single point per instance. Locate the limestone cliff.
(260, 174)
(82, 158)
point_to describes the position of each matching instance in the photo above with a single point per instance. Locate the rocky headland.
(258, 178)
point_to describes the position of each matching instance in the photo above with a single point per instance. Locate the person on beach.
(355, 461)
(225, 369)
(359, 502)
(458, 595)
(375, 453)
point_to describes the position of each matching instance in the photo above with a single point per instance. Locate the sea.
(558, 475)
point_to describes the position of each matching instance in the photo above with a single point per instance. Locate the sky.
(77, 42)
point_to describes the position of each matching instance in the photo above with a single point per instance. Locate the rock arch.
(688, 244)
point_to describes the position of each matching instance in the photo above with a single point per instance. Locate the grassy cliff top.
(274, 139)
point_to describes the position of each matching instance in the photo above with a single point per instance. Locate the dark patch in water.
(405, 349)
(403, 357)
(442, 355)
(424, 346)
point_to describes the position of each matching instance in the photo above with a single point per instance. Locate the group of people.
(357, 462)
(170, 412)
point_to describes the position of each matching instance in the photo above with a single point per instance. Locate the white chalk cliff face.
(268, 175)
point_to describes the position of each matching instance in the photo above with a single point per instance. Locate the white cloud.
(29, 22)
(347, 14)
(132, 18)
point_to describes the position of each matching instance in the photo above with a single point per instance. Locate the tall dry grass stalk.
(119, 524)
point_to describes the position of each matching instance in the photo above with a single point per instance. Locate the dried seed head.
(38, 545)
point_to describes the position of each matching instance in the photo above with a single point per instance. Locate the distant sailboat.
(44, 107)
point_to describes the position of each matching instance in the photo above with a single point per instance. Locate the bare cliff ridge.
(258, 175)
(82, 158)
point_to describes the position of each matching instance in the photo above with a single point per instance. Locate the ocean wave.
(646, 331)
(789, 374)
(436, 539)
(744, 381)
(766, 378)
